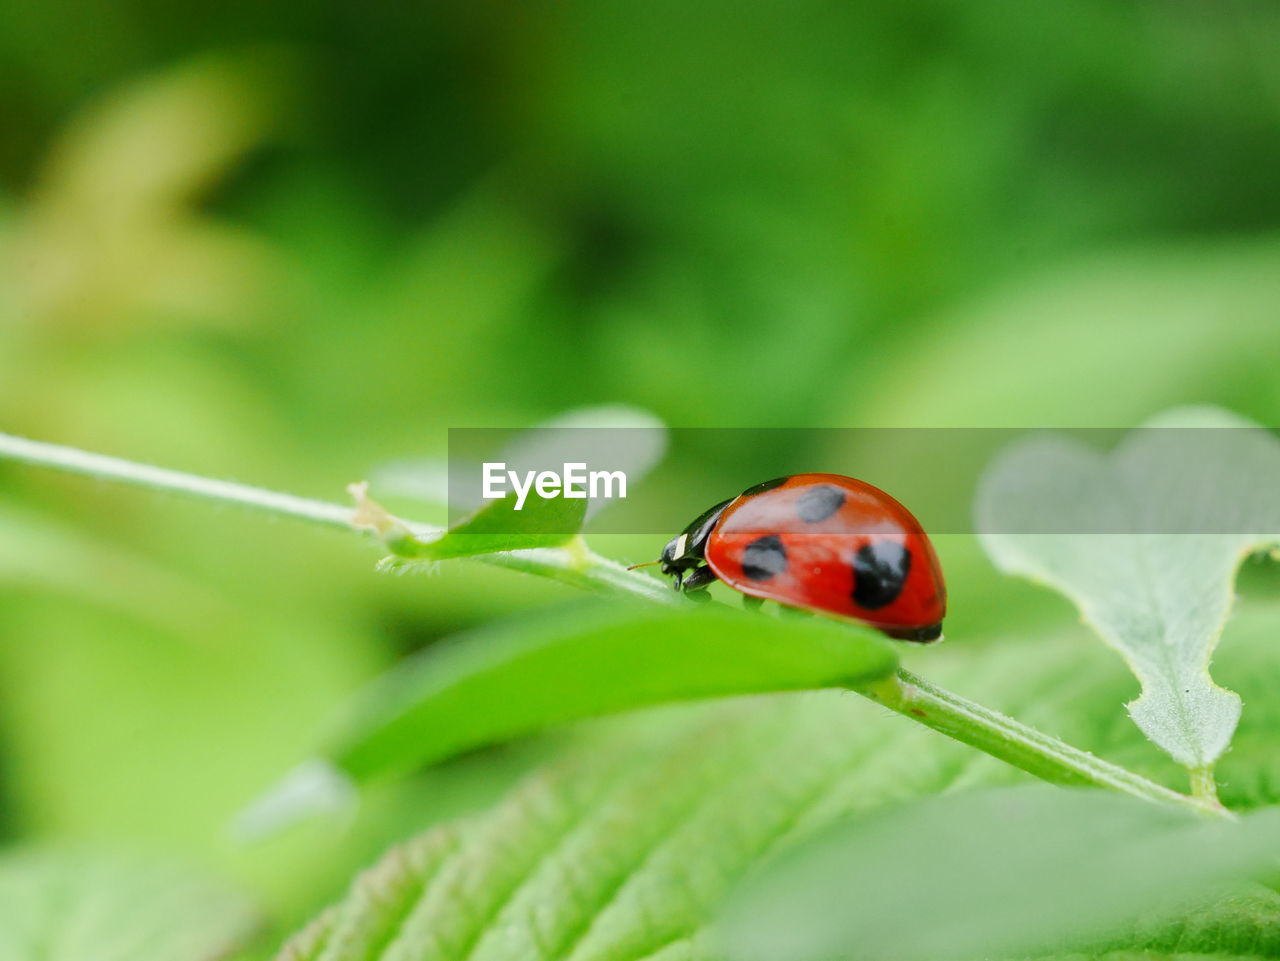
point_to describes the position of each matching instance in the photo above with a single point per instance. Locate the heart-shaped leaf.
(69, 905)
(1146, 541)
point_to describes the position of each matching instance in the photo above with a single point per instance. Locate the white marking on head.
(680, 545)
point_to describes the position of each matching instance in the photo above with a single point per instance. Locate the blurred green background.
(287, 243)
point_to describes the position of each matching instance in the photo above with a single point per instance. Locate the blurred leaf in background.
(68, 904)
(990, 874)
(112, 235)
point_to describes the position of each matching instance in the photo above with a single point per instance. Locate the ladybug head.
(678, 558)
(675, 556)
(688, 549)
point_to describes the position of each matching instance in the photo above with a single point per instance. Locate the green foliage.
(512, 683)
(624, 850)
(72, 904)
(1133, 540)
(582, 661)
(38, 552)
(1197, 312)
(521, 523)
(289, 266)
(636, 448)
(477, 691)
(627, 845)
(1239, 927)
(498, 526)
(995, 873)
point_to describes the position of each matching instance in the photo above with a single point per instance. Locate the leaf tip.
(313, 789)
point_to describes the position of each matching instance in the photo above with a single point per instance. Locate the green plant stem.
(1204, 785)
(989, 731)
(1018, 744)
(102, 467)
(584, 568)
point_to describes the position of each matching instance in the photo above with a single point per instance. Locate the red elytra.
(819, 542)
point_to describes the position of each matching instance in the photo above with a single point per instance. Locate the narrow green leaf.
(68, 905)
(1160, 588)
(583, 661)
(988, 874)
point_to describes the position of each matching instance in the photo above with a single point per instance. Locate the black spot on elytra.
(879, 570)
(764, 557)
(819, 503)
(765, 486)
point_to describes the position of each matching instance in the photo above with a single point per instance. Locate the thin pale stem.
(586, 569)
(989, 731)
(574, 564)
(1204, 785)
(122, 471)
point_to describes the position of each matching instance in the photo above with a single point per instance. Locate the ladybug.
(821, 543)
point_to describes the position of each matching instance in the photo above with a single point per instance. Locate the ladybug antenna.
(645, 564)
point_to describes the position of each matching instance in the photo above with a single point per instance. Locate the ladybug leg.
(695, 585)
(750, 603)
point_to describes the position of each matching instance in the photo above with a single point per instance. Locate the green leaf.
(499, 526)
(575, 662)
(1244, 926)
(613, 437)
(623, 850)
(624, 438)
(993, 872)
(1171, 315)
(39, 551)
(624, 847)
(67, 905)
(154, 248)
(586, 660)
(1159, 589)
